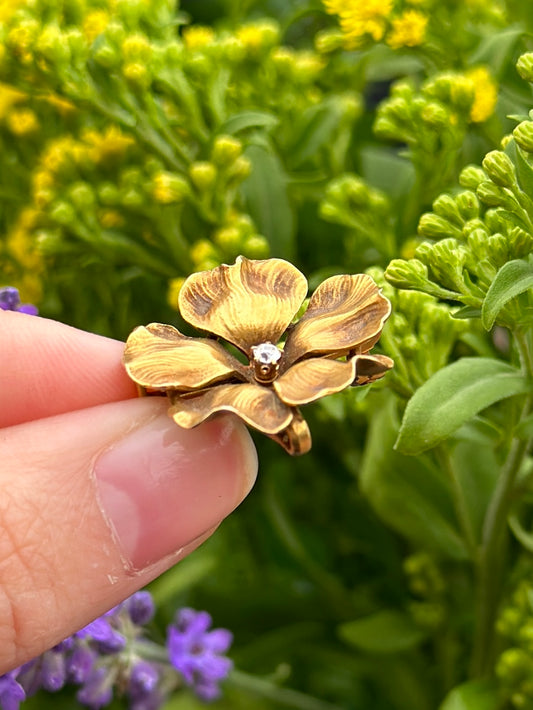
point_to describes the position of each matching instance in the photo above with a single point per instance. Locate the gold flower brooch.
(251, 305)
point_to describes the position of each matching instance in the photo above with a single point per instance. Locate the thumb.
(96, 503)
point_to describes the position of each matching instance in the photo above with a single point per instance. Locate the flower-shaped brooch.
(251, 305)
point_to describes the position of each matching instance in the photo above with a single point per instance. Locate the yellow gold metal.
(251, 304)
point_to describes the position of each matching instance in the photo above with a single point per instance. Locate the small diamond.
(266, 353)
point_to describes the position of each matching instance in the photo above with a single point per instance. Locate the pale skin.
(100, 491)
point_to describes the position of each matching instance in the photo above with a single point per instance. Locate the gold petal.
(296, 438)
(159, 357)
(311, 379)
(256, 405)
(345, 313)
(369, 368)
(248, 303)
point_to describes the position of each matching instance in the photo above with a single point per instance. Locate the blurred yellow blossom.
(107, 146)
(258, 35)
(198, 36)
(109, 219)
(169, 187)
(94, 24)
(21, 246)
(22, 121)
(173, 291)
(8, 98)
(485, 94)
(358, 19)
(408, 30)
(8, 7)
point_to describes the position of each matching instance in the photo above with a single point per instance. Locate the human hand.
(100, 490)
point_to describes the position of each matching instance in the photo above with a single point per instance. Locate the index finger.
(49, 368)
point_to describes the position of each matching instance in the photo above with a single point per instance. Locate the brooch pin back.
(251, 305)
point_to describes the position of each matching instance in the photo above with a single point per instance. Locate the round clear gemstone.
(266, 353)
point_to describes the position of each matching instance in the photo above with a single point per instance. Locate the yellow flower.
(257, 36)
(173, 291)
(107, 146)
(22, 121)
(408, 30)
(359, 20)
(21, 246)
(8, 7)
(334, 7)
(197, 37)
(8, 98)
(485, 94)
(169, 188)
(94, 24)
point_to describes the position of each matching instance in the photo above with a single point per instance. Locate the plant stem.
(495, 534)
(459, 502)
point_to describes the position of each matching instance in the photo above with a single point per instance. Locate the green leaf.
(318, 127)
(473, 695)
(466, 312)
(454, 395)
(512, 279)
(266, 197)
(497, 49)
(524, 169)
(386, 631)
(412, 496)
(249, 119)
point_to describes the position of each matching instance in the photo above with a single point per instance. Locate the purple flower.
(143, 690)
(47, 671)
(109, 640)
(97, 691)
(11, 692)
(10, 301)
(140, 607)
(197, 653)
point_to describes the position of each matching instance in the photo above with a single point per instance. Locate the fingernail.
(161, 487)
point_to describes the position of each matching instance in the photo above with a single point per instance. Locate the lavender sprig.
(10, 301)
(113, 655)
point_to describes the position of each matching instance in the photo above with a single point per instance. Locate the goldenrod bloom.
(485, 94)
(22, 121)
(408, 30)
(197, 36)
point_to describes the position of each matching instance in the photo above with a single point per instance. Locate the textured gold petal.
(159, 357)
(311, 379)
(345, 313)
(369, 368)
(296, 438)
(248, 303)
(256, 405)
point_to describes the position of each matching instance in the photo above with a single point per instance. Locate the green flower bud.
(407, 274)
(434, 227)
(471, 176)
(132, 198)
(240, 169)
(510, 622)
(514, 665)
(52, 45)
(226, 150)
(229, 239)
(49, 242)
(498, 250)
(138, 74)
(446, 258)
(446, 207)
(472, 225)
(63, 213)
(468, 205)
(203, 175)
(106, 55)
(169, 188)
(136, 48)
(403, 89)
(328, 41)
(496, 221)
(523, 135)
(496, 196)
(256, 247)
(435, 115)
(524, 66)
(397, 108)
(520, 243)
(477, 242)
(500, 168)
(202, 251)
(385, 127)
(108, 193)
(82, 195)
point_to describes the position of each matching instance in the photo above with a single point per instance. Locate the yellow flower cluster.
(361, 20)
(485, 94)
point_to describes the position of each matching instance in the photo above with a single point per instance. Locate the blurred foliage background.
(141, 140)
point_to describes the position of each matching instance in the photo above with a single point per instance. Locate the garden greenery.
(391, 567)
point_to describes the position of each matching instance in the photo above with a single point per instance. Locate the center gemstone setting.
(265, 360)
